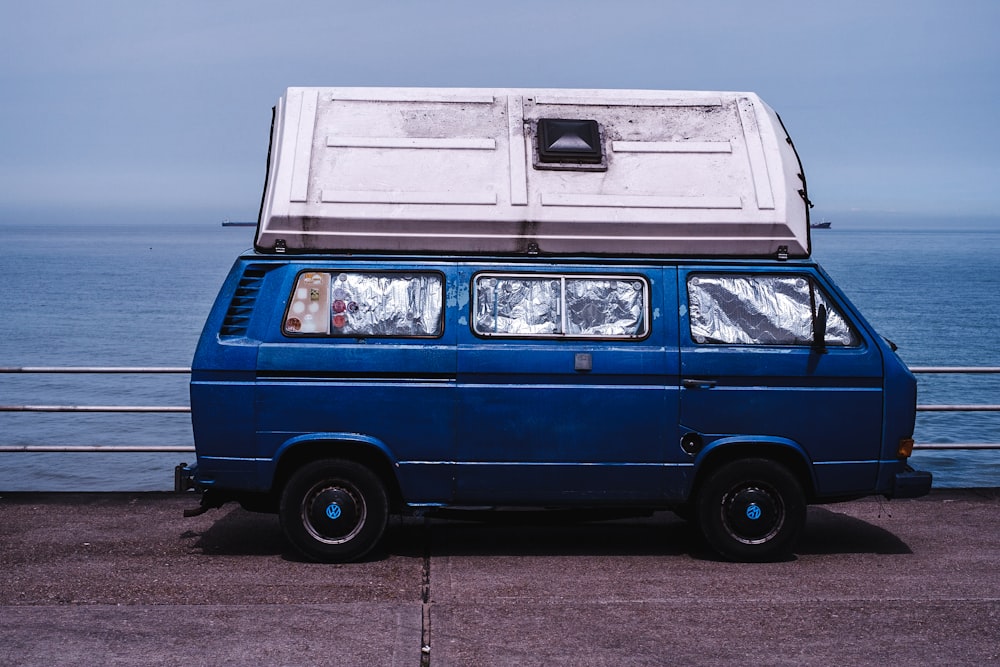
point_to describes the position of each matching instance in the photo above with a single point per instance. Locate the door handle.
(691, 383)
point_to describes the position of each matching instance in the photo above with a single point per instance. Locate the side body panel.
(391, 394)
(570, 421)
(824, 405)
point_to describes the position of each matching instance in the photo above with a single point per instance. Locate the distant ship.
(230, 223)
(822, 224)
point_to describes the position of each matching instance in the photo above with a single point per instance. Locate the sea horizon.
(115, 293)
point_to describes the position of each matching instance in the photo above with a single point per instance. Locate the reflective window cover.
(558, 306)
(366, 304)
(604, 307)
(756, 309)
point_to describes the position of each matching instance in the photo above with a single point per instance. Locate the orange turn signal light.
(905, 448)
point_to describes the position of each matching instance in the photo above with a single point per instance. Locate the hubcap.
(333, 514)
(752, 514)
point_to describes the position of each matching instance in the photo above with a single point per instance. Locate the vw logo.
(333, 511)
(753, 511)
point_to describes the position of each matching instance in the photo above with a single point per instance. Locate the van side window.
(761, 309)
(558, 306)
(358, 304)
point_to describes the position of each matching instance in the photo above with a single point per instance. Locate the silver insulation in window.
(761, 310)
(560, 306)
(386, 304)
(604, 307)
(518, 306)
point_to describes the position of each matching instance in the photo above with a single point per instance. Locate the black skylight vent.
(569, 144)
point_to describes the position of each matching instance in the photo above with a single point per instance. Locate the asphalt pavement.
(125, 579)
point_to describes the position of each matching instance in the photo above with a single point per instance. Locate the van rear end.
(223, 377)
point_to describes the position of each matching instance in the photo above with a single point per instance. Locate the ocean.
(137, 295)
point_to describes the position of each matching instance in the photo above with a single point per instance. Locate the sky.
(158, 110)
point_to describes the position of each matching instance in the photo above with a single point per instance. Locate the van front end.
(896, 478)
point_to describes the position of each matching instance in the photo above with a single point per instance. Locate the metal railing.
(147, 370)
(956, 370)
(96, 370)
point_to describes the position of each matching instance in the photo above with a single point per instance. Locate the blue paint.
(465, 419)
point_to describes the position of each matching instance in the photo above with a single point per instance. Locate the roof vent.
(569, 144)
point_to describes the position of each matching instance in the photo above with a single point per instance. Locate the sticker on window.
(307, 311)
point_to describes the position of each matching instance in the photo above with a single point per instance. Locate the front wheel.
(751, 510)
(334, 511)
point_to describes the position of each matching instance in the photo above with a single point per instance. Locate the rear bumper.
(911, 484)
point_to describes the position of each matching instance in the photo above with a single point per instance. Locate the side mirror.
(819, 329)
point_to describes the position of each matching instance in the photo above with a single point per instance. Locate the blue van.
(400, 341)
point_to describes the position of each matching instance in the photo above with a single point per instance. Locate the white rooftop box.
(553, 172)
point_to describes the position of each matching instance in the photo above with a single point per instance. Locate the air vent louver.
(237, 318)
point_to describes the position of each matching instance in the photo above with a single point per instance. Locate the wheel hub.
(752, 514)
(333, 513)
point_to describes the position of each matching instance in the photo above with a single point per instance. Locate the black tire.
(751, 510)
(334, 511)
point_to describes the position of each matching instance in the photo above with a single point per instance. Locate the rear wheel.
(334, 511)
(751, 510)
